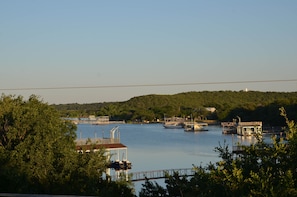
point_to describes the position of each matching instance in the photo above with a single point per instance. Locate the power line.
(149, 85)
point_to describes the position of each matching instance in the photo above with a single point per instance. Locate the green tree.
(34, 142)
(37, 153)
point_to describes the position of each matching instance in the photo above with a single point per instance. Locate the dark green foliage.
(151, 189)
(37, 153)
(249, 106)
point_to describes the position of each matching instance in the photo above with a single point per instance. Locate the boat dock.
(113, 150)
(242, 128)
(100, 120)
(229, 127)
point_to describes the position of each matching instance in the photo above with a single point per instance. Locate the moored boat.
(174, 123)
(195, 126)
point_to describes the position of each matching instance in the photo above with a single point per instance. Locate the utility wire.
(149, 85)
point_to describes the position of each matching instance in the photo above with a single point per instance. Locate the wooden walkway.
(158, 174)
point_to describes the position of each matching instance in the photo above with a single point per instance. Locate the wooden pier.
(158, 174)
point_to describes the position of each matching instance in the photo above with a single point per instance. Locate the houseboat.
(249, 128)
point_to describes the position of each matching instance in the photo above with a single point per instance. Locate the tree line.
(251, 105)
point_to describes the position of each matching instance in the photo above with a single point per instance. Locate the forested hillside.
(251, 105)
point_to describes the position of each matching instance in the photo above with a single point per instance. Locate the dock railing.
(158, 174)
(97, 141)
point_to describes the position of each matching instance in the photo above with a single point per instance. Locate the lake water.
(152, 147)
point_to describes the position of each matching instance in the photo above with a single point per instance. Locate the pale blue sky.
(71, 43)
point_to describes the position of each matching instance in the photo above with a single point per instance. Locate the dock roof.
(99, 146)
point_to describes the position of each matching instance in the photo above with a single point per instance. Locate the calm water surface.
(152, 147)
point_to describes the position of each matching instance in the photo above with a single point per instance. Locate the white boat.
(195, 126)
(173, 125)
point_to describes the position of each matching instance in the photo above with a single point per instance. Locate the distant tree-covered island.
(249, 105)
